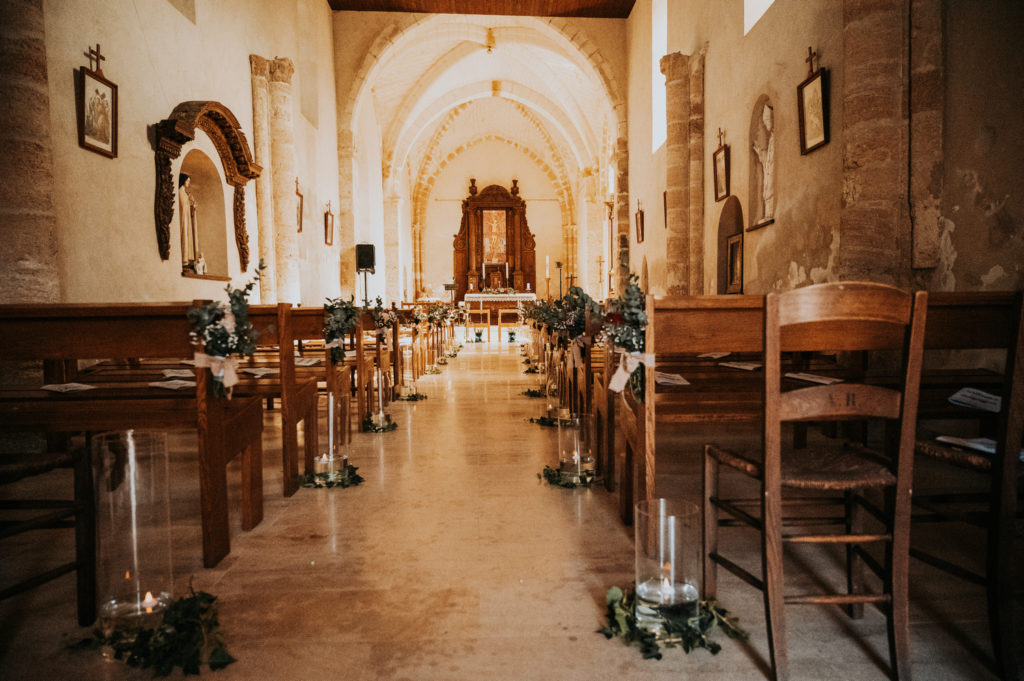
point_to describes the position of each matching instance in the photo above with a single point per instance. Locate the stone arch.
(730, 223)
(177, 130)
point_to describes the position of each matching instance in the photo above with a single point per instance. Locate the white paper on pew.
(714, 355)
(67, 387)
(976, 399)
(307, 361)
(813, 378)
(664, 378)
(745, 366)
(260, 372)
(175, 384)
(981, 444)
(190, 362)
(179, 373)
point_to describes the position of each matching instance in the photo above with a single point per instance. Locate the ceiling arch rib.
(530, 127)
(425, 185)
(564, 133)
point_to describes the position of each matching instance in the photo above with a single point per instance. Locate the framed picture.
(96, 106)
(721, 165)
(298, 217)
(329, 228)
(639, 222)
(812, 106)
(734, 260)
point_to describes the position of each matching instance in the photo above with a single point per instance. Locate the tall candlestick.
(547, 265)
(506, 274)
(380, 395)
(330, 425)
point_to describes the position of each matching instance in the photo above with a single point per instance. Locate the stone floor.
(454, 562)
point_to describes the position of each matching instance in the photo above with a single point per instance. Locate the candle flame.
(149, 602)
(127, 574)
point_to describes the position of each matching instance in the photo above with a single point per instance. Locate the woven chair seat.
(834, 469)
(965, 458)
(14, 467)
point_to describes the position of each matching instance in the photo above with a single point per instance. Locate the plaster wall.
(800, 247)
(981, 230)
(646, 168)
(159, 57)
(490, 163)
(367, 206)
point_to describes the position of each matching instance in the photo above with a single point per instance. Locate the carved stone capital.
(281, 70)
(675, 66)
(259, 66)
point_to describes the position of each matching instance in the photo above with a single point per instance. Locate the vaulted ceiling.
(613, 9)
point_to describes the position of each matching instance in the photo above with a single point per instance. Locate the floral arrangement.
(439, 314)
(502, 291)
(340, 318)
(568, 313)
(223, 331)
(625, 323)
(383, 318)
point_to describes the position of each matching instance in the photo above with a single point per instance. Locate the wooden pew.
(59, 334)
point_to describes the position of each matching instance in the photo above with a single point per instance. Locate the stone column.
(873, 221)
(927, 103)
(392, 271)
(345, 231)
(282, 156)
(29, 258)
(695, 193)
(676, 68)
(260, 69)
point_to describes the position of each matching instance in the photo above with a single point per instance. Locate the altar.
(497, 301)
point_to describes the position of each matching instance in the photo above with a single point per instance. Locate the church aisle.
(451, 562)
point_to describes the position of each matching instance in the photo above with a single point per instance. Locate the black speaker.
(365, 259)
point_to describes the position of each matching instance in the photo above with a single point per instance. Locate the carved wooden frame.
(174, 132)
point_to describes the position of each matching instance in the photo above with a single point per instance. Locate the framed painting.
(734, 255)
(721, 166)
(96, 108)
(812, 107)
(328, 228)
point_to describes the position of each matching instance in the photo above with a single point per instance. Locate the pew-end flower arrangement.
(340, 318)
(624, 328)
(383, 319)
(223, 333)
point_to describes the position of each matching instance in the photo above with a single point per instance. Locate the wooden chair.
(478, 319)
(504, 314)
(77, 513)
(995, 321)
(848, 316)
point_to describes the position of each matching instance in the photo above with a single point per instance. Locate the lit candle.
(330, 425)
(380, 395)
(506, 274)
(149, 602)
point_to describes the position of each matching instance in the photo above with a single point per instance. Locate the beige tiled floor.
(454, 562)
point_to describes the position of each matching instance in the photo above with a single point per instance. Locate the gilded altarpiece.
(494, 247)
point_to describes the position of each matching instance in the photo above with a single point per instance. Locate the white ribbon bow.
(221, 367)
(628, 363)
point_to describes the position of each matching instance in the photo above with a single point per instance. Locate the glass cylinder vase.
(134, 573)
(667, 540)
(576, 447)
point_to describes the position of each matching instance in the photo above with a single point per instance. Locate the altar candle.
(547, 266)
(506, 274)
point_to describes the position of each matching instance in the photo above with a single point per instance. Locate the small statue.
(766, 155)
(201, 264)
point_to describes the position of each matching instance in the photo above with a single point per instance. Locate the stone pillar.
(345, 231)
(29, 259)
(622, 214)
(260, 70)
(676, 68)
(392, 271)
(927, 102)
(282, 156)
(695, 193)
(417, 261)
(873, 221)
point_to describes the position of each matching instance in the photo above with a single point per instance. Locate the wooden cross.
(95, 56)
(572, 279)
(721, 136)
(811, 54)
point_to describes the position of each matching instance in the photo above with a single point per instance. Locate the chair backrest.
(479, 316)
(848, 316)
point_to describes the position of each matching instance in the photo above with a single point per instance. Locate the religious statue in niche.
(764, 148)
(191, 258)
